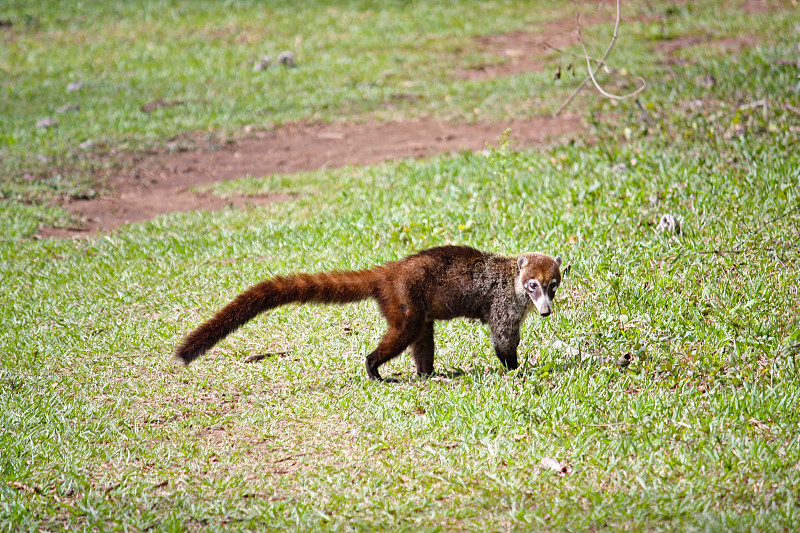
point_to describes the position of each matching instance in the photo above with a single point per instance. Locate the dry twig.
(600, 64)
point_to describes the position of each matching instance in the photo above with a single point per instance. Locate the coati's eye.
(553, 288)
(531, 285)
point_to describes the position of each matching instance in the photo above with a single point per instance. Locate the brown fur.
(436, 284)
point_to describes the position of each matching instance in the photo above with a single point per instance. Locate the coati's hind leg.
(393, 343)
(422, 350)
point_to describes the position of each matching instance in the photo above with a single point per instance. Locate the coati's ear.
(522, 262)
(558, 260)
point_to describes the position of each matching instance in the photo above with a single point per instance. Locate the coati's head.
(538, 278)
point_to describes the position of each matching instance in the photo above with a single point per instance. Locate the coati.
(435, 284)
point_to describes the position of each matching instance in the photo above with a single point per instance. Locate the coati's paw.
(372, 371)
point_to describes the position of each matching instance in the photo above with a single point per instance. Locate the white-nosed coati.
(435, 284)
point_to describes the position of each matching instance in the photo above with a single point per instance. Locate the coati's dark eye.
(531, 285)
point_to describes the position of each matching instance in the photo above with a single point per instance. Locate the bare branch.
(601, 63)
(571, 96)
(564, 52)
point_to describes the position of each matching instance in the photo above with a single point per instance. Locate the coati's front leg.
(505, 339)
(422, 350)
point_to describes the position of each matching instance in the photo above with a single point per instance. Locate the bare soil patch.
(524, 51)
(754, 7)
(731, 44)
(164, 183)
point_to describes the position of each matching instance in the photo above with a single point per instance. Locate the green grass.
(99, 429)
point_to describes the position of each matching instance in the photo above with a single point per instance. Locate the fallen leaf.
(551, 464)
(262, 63)
(286, 59)
(155, 104)
(45, 123)
(668, 223)
(261, 356)
(18, 485)
(67, 107)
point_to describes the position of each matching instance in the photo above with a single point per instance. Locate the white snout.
(543, 304)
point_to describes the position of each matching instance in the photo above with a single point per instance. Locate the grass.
(99, 429)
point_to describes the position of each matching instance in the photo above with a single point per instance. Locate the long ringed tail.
(325, 287)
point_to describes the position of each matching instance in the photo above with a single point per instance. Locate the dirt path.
(163, 184)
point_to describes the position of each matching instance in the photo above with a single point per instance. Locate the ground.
(165, 182)
(146, 186)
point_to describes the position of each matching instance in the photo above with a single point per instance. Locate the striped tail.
(325, 287)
